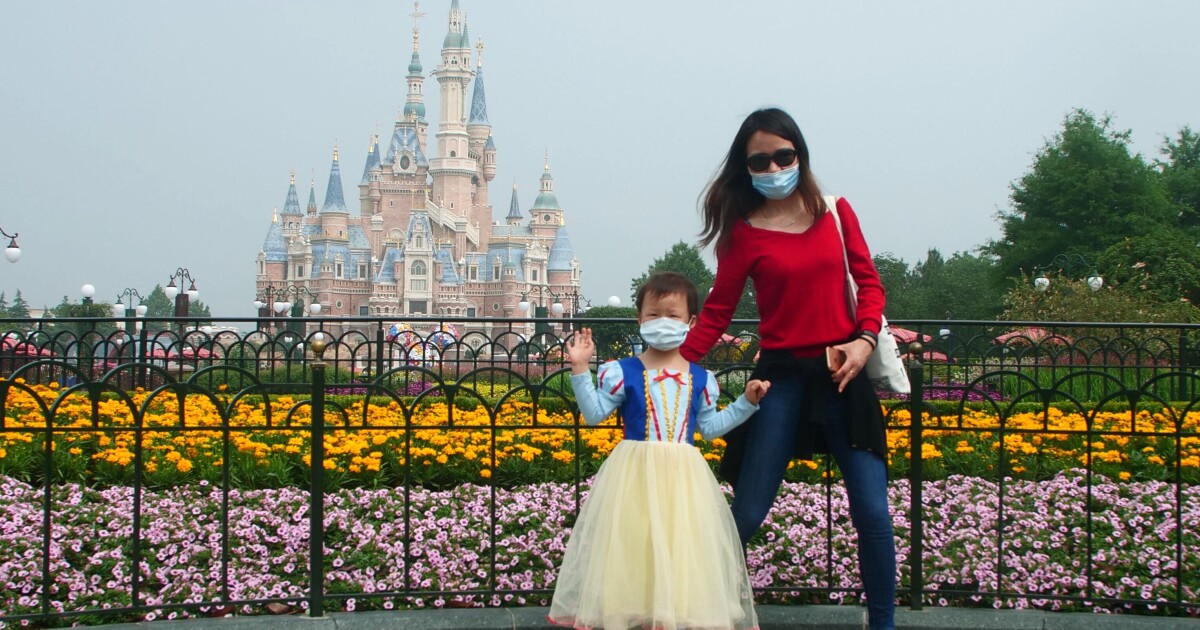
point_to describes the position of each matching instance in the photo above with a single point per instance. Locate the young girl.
(655, 544)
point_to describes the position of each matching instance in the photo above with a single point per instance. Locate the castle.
(423, 242)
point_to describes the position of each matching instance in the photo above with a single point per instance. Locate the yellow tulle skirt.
(655, 546)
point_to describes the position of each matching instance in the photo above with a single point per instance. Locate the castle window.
(470, 311)
(337, 270)
(362, 270)
(417, 307)
(454, 154)
(262, 268)
(299, 271)
(535, 275)
(496, 272)
(362, 311)
(418, 268)
(418, 241)
(417, 285)
(473, 272)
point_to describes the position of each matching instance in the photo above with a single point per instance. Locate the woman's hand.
(580, 349)
(856, 352)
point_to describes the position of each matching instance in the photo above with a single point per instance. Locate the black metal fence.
(1044, 465)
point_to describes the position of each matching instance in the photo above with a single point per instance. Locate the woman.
(769, 223)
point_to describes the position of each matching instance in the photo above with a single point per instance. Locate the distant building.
(423, 241)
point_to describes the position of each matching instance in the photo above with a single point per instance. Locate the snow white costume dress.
(655, 544)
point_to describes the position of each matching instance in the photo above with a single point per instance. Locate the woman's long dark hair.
(731, 197)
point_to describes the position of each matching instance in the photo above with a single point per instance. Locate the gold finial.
(275, 214)
(547, 166)
(335, 150)
(514, 184)
(416, 16)
(370, 142)
(479, 47)
(293, 175)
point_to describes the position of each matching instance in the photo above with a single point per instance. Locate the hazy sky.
(140, 137)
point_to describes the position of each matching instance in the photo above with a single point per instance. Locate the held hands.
(855, 355)
(580, 349)
(756, 389)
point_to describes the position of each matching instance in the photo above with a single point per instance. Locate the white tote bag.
(884, 366)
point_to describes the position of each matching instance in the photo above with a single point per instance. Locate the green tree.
(1181, 177)
(681, 258)
(614, 340)
(1067, 300)
(196, 308)
(897, 285)
(158, 305)
(1164, 264)
(19, 307)
(1084, 193)
(4, 310)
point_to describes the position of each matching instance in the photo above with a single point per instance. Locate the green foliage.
(613, 340)
(1068, 300)
(1165, 265)
(19, 307)
(158, 305)
(937, 288)
(681, 258)
(1181, 177)
(1084, 193)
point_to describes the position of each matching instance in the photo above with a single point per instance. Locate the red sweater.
(799, 285)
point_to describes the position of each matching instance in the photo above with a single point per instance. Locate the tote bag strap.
(851, 285)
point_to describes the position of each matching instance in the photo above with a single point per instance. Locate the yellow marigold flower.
(183, 465)
(1155, 459)
(485, 473)
(1124, 475)
(442, 459)
(74, 450)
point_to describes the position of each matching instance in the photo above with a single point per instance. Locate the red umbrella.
(934, 355)
(159, 353)
(904, 335)
(1029, 336)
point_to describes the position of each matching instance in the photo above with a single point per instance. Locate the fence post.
(916, 478)
(1183, 365)
(316, 492)
(379, 350)
(143, 372)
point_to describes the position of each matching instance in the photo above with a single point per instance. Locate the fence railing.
(441, 461)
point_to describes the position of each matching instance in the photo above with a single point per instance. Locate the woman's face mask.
(777, 185)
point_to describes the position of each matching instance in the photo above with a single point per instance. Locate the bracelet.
(872, 338)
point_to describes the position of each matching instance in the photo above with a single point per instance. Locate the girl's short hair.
(662, 283)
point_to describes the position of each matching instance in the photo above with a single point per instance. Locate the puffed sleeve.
(597, 404)
(713, 423)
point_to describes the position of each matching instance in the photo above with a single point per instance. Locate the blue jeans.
(770, 443)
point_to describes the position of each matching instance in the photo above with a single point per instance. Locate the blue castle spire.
(334, 201)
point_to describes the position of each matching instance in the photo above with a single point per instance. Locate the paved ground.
(770, 618)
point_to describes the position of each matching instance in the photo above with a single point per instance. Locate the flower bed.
(1043, 553)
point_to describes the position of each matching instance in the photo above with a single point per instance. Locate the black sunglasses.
(760, 162)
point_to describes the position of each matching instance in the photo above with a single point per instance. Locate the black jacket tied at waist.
(865, 427)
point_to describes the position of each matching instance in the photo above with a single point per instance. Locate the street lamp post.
(13, 251)
(544, 292)
(284, 302)
(130, 311)
(181, 298)
(1066, 263)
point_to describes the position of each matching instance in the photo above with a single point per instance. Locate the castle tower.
(453, 169)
